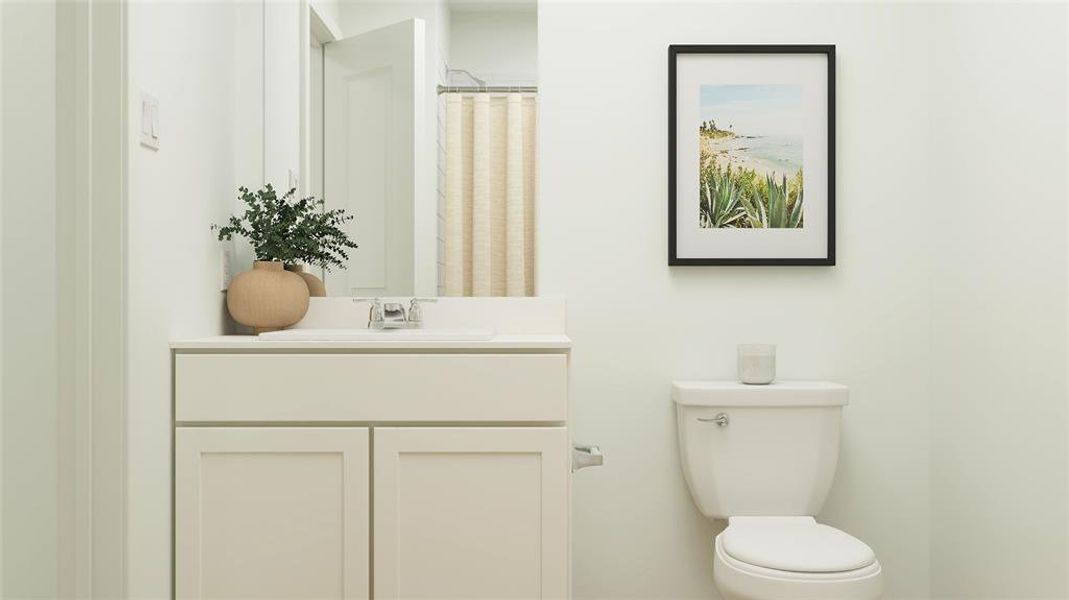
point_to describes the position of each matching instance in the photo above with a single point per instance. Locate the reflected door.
(372, 85)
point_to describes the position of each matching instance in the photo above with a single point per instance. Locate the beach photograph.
(750, 173)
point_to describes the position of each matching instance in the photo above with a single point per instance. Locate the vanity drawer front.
(370, 387)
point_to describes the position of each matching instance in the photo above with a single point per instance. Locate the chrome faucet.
(392, 315)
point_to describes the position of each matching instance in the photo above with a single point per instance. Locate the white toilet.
(763, 457)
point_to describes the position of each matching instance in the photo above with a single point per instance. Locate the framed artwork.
(751, 155)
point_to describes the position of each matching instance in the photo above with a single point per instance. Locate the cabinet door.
(471, 513)
(271, 512)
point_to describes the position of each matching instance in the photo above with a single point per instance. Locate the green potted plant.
(282, 231)
(318, 240)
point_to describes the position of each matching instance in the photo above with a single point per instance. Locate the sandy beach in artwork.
(742, 153)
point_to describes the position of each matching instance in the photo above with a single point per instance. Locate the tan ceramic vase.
(267, 297)
(316, 289)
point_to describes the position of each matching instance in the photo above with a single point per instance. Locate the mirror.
(422, 124)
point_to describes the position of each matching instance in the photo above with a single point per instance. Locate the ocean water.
(783, 151)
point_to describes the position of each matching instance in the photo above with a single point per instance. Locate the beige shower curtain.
(489, 194)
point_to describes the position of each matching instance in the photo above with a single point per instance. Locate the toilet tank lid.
(777, 393)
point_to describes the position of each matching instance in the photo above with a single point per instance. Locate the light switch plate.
(293, 179)
(225, 269)
(150, 121)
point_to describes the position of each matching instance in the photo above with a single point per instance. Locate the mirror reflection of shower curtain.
(490, 175)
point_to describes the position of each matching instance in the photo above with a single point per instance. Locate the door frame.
(103, 295)
(91, 207)
(317, 28)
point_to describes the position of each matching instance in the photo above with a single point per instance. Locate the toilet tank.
(759, 450)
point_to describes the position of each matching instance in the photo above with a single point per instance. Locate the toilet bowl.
(763, 457)
(793, 558)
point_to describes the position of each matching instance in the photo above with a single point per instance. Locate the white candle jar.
(757, 363)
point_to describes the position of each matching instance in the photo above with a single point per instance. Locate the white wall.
(187, 55)
(1000, 457)
(29, 399)
(951, 437)
(499, 46)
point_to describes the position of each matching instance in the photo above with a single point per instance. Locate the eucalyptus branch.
(291, 230)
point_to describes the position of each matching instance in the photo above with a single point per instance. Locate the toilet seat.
(796, 576)
(795, 544)
(840, 566)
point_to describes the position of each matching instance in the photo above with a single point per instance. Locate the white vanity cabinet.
(471, 512)
(272, 512)
(357, 471)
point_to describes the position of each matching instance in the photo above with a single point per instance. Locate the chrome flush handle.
(721, 419)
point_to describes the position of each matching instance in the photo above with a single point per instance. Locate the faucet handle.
(415, 311)
(374, 315)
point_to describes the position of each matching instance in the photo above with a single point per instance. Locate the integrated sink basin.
(378, 335)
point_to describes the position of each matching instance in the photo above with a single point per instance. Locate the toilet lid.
(797, 544)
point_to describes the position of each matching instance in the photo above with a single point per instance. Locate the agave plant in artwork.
(771, 206)
(720, 199)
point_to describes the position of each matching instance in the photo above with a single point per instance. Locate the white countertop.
(498, 342)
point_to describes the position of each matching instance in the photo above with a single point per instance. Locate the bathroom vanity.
(372, 469)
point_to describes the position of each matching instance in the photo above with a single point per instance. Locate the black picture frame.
(674, 51)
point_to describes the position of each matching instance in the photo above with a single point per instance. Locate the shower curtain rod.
(491, 89)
